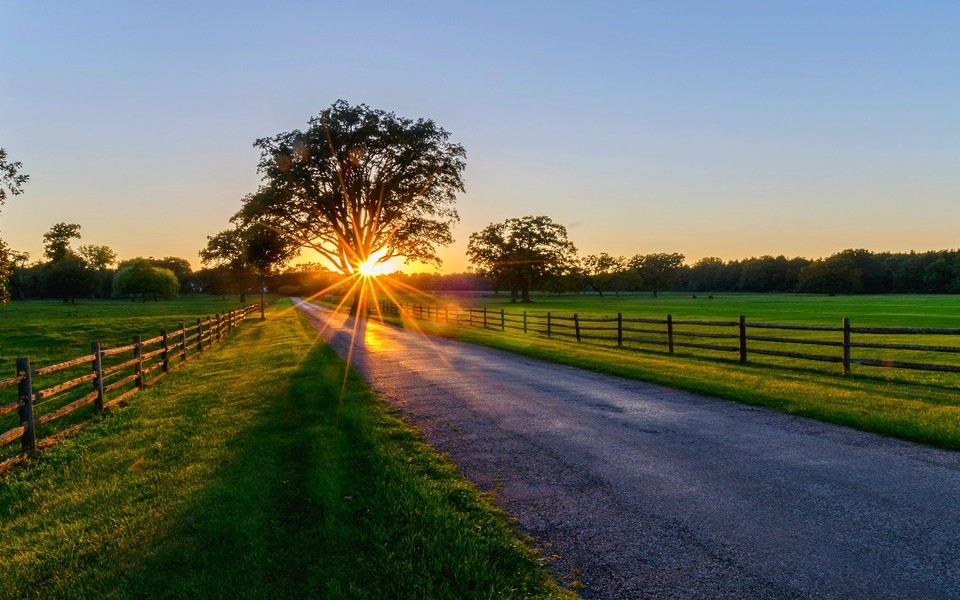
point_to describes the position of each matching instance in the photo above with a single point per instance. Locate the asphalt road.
(642, 491)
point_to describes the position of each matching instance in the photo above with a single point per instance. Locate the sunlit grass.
(922, 407)
(252, 473)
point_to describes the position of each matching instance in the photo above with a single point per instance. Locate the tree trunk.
(525, 293)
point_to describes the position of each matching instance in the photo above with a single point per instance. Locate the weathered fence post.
(470, 309)
(524, 322)
(576, 326)
(219, 325)
(484, 317)
(28, 441)
(138, 354)
(743, 339)
(670, 334)
(619, 329)
(503, 321)
(98, 379)
(846, 345)
(165, 355)
(183, 343)
(548, 324)
(199, 335)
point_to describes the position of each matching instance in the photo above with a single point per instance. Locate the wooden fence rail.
(114, 373)
(822, 343)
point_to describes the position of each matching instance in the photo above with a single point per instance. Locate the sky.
(728, 129)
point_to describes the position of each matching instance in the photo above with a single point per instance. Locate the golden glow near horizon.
(372, 266)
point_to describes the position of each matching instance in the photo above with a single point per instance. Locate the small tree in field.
(138, 277)
(519, 254)
(657, 270)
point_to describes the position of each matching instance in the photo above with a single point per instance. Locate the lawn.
(245, 474)
(913, 405)
(53, 331)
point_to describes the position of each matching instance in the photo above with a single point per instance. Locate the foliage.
(605, 272)
(56, 242)
(11, 178)
(247, 250)
(99, 259)
(138, 276)
(359, 182)
(520, 254)
(657, 270)
(68, 278)
(6, 270)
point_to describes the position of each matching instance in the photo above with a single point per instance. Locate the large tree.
(519, 254)
(360, 183)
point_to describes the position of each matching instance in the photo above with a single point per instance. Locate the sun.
(372, 266)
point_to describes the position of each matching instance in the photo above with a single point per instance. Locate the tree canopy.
(138, 276)
(359, 182)
(11, 178)
(519, 254)
(657, 270)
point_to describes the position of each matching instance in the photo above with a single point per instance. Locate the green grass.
(51, 331)
(888, 310)
(917, 406)
(235, 478)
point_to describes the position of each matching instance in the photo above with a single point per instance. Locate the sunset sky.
(729, 129)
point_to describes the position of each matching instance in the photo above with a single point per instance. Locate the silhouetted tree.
(519, 254)
(68, 278)
(99, 259)
(358, 183)
(56, 242)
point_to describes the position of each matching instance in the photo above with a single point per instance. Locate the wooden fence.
(115, 374)
(874, 346)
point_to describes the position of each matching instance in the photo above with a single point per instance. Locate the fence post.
(846, 345)
(503, 321)
(743, 339)
(199, 335)
(548, 324)
(470, 309)
(524, 322)
(138, 354)
(619, 330)
(484, 317)
(219, 324)
(165, 355)
(670, 334)
(576, 326)
(183, 343)
(28, 441)
(98, 380)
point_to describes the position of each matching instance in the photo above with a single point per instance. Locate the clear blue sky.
(728, 129)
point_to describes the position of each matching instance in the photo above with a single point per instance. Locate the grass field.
(52, 331)
(913, 405)
(877, 310)
(237, 477)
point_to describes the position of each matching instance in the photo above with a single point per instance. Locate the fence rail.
(741, 337)
(116, 374)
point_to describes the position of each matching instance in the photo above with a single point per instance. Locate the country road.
(646, 492)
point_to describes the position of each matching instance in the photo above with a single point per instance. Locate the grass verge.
(916, 411)
(234, 478)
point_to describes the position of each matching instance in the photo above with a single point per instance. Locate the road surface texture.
(646, 492)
